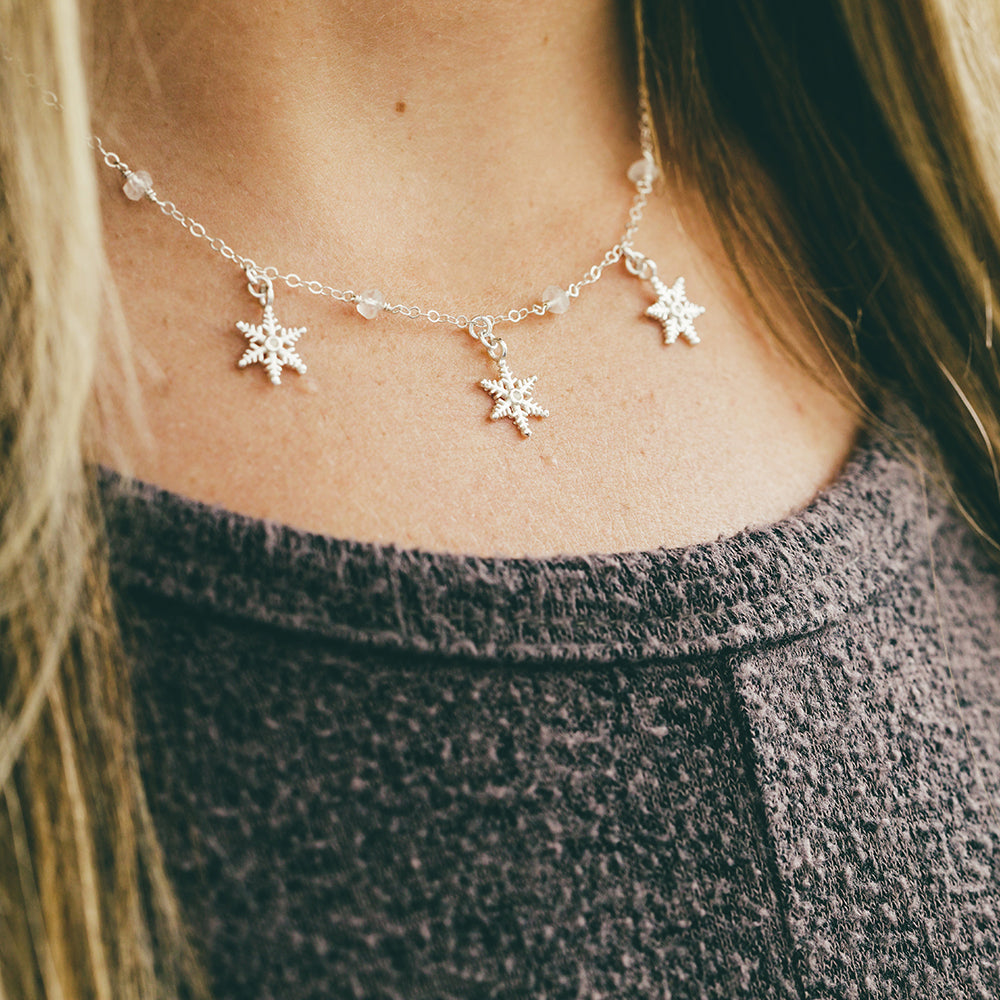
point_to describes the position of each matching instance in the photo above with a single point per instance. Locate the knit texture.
(765, 767)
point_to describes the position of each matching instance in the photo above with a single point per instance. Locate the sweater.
(763, 767)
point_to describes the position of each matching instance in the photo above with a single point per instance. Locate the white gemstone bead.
(556, 299)
(641, 170)
(371, 303)
(137, 185)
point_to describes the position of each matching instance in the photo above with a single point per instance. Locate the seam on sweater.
(739, 722)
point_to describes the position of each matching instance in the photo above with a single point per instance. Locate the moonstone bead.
(556, 299)
(371, 303)
(641, 170)
(137, 185)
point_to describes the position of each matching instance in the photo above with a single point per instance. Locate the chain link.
(49, 98)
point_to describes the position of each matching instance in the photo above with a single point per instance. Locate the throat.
(386, 106)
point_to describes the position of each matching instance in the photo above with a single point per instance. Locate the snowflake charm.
(271, 345)
(513, 398)
(674, 311)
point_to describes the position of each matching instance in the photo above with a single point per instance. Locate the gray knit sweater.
(763, 767)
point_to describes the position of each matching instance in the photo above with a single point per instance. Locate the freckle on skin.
(400, 106)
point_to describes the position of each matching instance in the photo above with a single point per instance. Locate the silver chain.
(622, 249)
(637, 264)
(49, 98)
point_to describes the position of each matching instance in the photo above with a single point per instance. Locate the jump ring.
(481, 329)
(260, 287)
(642, 267)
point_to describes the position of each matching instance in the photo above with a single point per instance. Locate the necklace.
(274, 346)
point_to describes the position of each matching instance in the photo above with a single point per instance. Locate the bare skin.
(460, 159)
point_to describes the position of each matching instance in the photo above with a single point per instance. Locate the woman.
(759, 766)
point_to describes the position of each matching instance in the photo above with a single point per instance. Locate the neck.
(464, 71)
(393, 123)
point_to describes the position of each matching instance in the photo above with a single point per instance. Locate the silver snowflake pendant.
(513, 397)
(271, 344)
(674, 311)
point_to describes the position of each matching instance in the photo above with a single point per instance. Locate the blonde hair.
(85, 906)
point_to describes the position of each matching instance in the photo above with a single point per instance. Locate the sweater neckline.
(763, 585)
